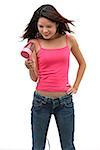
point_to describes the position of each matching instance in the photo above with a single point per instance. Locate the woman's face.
(46, 28)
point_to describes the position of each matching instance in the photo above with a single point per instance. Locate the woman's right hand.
(29, 64)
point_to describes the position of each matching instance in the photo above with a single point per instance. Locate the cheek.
(54, 30)
(39, 29)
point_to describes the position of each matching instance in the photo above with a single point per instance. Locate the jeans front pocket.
(39, 103)
(67, 102)
(36, 104)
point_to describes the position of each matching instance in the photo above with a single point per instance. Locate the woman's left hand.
(72, 90)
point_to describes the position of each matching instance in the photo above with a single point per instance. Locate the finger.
(74, 91)
(70, 92)
(70, 89)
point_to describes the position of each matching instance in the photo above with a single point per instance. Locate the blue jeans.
(63, 110)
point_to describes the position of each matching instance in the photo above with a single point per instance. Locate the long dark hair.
(49, 12)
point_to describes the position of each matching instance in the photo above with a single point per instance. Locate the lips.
(46, 34)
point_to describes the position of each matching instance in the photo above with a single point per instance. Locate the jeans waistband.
(46, 98)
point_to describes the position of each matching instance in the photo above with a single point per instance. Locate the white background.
(16, 87)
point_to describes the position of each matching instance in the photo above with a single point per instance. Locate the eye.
(49, 26)
(40, 26)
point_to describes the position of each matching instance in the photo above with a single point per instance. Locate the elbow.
(82, 65)
(35, 79)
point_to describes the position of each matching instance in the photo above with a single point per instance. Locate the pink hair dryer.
(27, 52)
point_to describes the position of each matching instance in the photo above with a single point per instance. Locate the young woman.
(52, 43)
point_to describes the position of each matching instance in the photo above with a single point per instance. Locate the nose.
(45, 30)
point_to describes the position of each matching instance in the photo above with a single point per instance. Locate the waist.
(51, 94)
(46, 98)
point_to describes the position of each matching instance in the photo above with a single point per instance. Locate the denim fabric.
(63, 110)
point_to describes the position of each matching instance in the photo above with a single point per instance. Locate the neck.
(55, 36)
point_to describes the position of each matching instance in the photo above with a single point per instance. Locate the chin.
(47, 37)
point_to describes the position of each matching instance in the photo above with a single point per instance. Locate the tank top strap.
(67, 36)
(39, 44)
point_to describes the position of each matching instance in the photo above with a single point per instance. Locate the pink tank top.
(53, 66)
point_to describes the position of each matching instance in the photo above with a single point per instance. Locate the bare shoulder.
(75, 49)
(74, 44)
(33, 41)
(72, 40)
(35, 45)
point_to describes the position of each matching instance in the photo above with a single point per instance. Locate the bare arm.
(81, 62)
(30, 65)
(32, 75)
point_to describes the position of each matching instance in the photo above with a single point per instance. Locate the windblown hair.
(49, 12)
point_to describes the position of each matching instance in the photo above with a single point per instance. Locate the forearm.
(33, 75)
(33, 71)
(79, 75)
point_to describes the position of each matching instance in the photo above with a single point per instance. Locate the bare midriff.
(51, 94)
